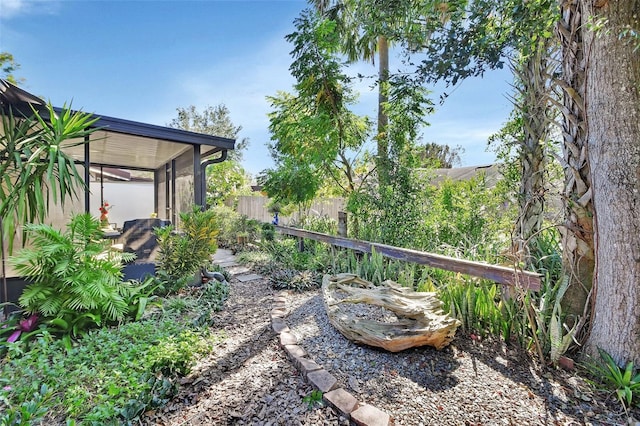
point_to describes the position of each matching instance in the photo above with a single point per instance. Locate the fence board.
(255, 207)
(500, 274)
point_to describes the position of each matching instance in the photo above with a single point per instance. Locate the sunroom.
(173, 160)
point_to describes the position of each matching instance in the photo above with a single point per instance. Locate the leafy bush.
(74, 277)
(110, 375)
(268, 232)
(182, 254)
(290, 279)
(226, 218)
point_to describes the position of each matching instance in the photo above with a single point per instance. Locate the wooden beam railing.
(500, 274)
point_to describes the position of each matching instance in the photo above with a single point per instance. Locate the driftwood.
(388, 316)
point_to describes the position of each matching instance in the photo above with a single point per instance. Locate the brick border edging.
(337, 397)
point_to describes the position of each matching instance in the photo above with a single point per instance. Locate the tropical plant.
(315, 397)
(182, 254)
(625, 382)
(226, 179)
(291, 279)
(313, 128)
(29, 411)
(75, 279)
(33, 161)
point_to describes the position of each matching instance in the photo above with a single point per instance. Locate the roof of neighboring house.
(491, 173)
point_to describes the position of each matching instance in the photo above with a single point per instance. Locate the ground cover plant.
(109, 375)
(87, 347)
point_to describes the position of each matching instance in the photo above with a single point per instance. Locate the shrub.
(182, 254)
(226, 218)
(74, 277)
(109, 376)
(290, 279)
(625, 382)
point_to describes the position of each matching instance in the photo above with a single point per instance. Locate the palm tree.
(578, 230)
(368, 28)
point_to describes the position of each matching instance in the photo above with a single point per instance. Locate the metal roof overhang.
(122, 143)
(139, 146)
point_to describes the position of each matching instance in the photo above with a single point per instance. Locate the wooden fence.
(255, 207)
(500, 274)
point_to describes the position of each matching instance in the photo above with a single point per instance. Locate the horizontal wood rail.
(500, 274)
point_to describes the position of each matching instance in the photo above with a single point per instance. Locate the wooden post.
(342, 224)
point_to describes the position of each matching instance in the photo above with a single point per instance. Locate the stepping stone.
(250, 277)
(227, 264)
(237, 270)
(220, 253)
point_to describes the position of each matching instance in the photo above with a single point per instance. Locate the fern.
(73, 275)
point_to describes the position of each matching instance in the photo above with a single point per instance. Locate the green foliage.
(389, 214)
(28, 412)
(313, 131)
(226, 218)
(108, 376)
(314, 398)
(261, 261)
(317, 223)
(33, 164)
(226, 181)
(291, 279)
(175, 355)
(268, 232)
(481, 309)
(469, 217)
(74, 278)
(214, 121)
(625, 382)
(182, 254)
(291, 182)
(8, 66)
(433, 155)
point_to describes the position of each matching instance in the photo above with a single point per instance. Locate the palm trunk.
(534, 81)
(383, 119)
(577, 232)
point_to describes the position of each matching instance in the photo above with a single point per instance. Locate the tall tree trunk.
(534, 106)
(383, 119)
(577, 232)
(613, 115)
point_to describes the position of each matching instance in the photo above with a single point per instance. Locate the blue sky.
(140, 60)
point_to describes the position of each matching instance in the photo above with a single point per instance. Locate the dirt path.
(248, 378)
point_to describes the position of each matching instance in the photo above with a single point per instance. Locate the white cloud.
(13, 8)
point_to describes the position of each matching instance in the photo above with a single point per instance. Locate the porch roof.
(122, 143)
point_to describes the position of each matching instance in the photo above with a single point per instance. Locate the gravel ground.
(249, 381)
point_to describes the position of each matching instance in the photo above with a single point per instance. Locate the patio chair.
(138, 237)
